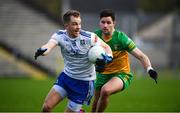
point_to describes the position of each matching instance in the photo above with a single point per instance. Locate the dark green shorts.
(104, 78)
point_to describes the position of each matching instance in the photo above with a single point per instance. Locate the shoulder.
(60, 32)
(126, 42)
(98, 32)
(120, 35)
(58, 35)
(86, 33)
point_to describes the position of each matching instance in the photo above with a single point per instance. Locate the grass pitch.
(143, 95)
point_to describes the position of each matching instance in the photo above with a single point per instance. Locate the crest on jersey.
(82, 42)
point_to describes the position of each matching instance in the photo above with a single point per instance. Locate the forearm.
(47, 51)
(145, 62)
(143, 58)
(49, 46)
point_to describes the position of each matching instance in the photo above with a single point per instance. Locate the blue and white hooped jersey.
(75, 53)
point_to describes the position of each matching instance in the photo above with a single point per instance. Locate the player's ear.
(114, 22)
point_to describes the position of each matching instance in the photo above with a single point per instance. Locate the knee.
(105, 92)
(46, 107)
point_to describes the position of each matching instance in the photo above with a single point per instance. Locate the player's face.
(107, 25)
(74, 26)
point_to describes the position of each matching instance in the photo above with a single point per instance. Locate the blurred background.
(25, 25)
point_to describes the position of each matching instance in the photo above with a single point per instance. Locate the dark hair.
(107, 13)
(67, 15)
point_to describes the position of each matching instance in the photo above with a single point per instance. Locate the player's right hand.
(39, 52)
(153, 74)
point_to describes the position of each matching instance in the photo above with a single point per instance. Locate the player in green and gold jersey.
(115, 76)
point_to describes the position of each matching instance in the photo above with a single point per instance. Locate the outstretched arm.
(45, 49)
(145, 62)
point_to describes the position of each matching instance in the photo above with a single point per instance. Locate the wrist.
(149, 68)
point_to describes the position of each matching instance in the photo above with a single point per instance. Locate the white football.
(95, 52)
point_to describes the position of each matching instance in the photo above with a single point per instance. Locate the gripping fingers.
(39, 52)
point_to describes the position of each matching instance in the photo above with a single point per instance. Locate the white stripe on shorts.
(60, 90)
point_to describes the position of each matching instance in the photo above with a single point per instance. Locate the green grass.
(144, 95)
(22, 94)
(27, 95)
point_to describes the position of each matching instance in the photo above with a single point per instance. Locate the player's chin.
(105, 31)
(76, 33)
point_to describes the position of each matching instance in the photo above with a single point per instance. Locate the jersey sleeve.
(54, 38)
(95, 40)
(127, 43)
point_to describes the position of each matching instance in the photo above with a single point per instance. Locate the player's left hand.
(107, 58)
(153, 74)
(39, 52)
(100, 63)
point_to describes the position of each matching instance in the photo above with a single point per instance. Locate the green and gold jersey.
(120, 44)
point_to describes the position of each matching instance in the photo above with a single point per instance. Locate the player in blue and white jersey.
(77, 79)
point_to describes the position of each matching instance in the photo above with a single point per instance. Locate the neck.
(70, 35)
